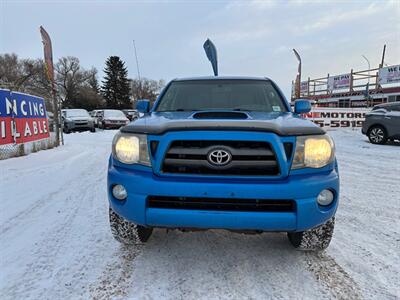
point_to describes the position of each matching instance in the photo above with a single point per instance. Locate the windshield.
(247, 95)
(114, 114)
(76, 113)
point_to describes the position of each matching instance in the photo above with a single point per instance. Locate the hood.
(116, 118)
(283, 124)
(82, 118)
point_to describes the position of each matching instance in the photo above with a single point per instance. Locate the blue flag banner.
(211, 53)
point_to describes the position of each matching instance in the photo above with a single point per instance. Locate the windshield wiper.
(242, 109)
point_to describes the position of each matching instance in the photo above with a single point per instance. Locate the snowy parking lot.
(56, 243)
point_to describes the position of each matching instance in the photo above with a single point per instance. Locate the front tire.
(377, 135)
(316, 239)
(126, 232)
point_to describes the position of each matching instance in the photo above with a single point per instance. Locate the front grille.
(222, 204)
(249, 158)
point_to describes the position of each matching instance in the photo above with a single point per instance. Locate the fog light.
(325, 197)
(119, 192)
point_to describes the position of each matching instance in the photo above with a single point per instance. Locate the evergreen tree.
(115, 86)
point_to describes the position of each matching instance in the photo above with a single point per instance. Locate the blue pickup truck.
(227, 153)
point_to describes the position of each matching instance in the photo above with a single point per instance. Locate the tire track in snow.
(330, 274)
(42, 266)
(219, 264)
(16, 219)
(20, 217)
(47, 250)
(115, 280)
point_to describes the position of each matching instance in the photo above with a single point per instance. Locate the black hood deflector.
(283, 124)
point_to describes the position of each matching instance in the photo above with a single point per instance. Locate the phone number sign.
(23, 118)
(337, 117)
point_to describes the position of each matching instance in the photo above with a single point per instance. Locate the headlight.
(131, 149)
(314, 151)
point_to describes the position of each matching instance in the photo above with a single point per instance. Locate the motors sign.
(337, 117)
(23, 118)
(389, 74)
(339, 82)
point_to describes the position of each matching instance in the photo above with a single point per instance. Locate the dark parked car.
(131, 114)
(383, 123)
(96, 114)
(112, 118)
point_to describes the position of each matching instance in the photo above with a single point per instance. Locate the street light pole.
(369, 66)
(367, 88)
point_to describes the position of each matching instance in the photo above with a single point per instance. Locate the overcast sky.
(253, 37)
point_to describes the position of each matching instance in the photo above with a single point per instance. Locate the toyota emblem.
(219, 157)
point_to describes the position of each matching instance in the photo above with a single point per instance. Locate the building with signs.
(354, 89)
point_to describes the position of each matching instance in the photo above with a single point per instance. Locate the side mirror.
(143, 106)
(302, 106)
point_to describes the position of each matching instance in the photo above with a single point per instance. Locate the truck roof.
(221, 78)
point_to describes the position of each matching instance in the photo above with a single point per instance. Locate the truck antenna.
(137, 62)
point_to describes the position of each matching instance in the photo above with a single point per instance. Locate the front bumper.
(79, 126)
(113, 125)
(364, 130)
(302, 188)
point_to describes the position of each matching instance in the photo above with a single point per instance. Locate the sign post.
(48, 59)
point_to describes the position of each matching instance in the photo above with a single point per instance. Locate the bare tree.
(70, 77)
(24, 75)
(14, 72)
(146, 89)
(76, 86)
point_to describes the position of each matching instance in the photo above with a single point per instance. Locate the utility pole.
(138, 70)
(383, 56)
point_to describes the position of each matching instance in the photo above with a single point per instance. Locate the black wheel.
(66, 131)
(315, 239)
(127, 232)
(93, 129)
(377, 135)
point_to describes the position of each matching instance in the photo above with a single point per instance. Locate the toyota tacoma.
(223, 153)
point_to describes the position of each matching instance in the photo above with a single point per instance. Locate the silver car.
(383, 123)
(77, 120)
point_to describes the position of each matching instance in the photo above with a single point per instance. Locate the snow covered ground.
(56, 244)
